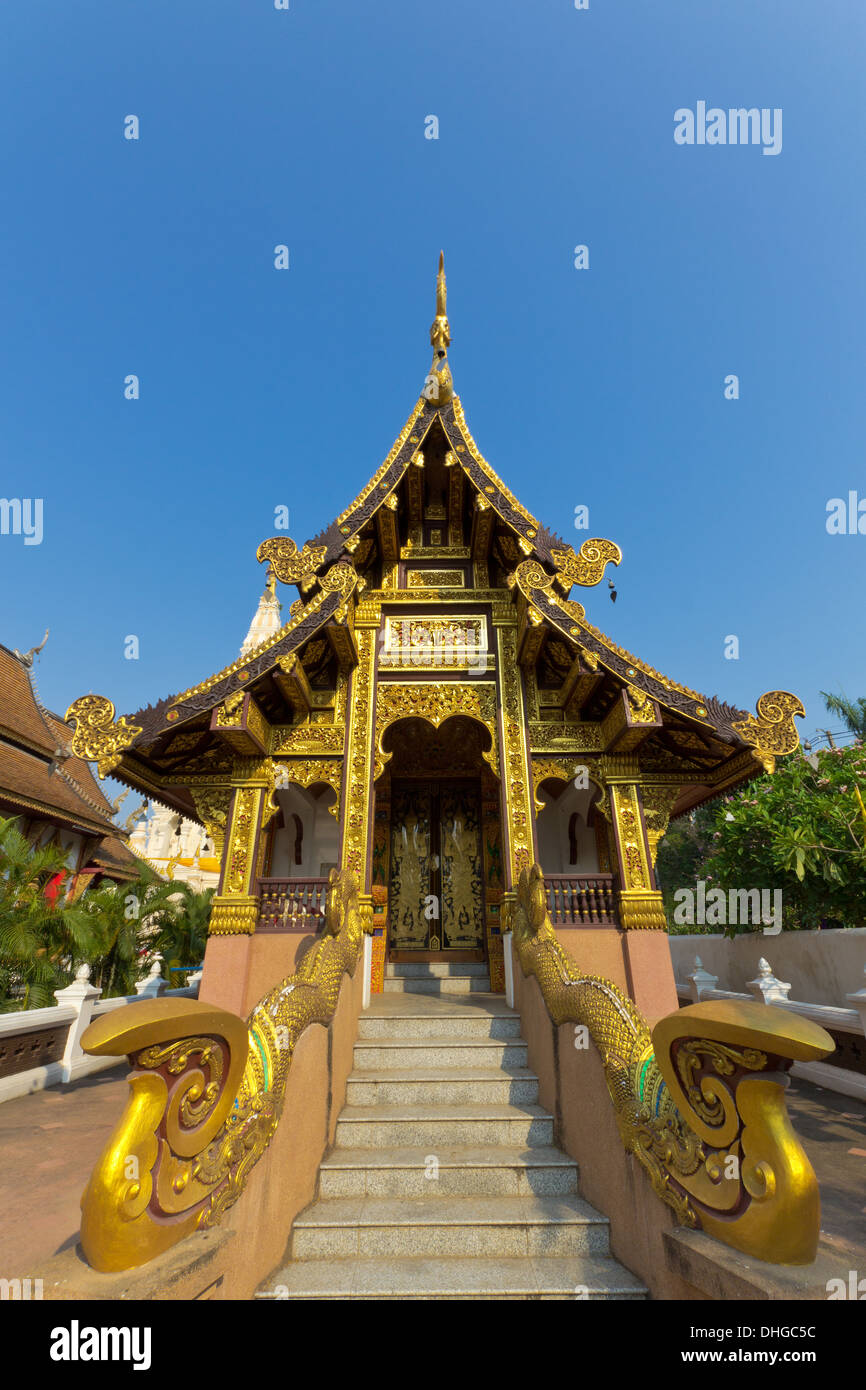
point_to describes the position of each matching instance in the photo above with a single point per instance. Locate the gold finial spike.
(440, 287)
(440, 332)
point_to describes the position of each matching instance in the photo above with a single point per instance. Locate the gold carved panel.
(309, 739)
(308, 771)
(457, 642)
(435, 579)
(435, 703)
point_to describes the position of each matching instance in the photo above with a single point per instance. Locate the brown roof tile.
(20, 715)
(29, 783)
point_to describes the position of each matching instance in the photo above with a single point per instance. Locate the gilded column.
(358, 786)
(236, 905)
(640, 903)
(517, 797)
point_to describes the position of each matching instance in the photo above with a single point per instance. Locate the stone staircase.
(444, 1181)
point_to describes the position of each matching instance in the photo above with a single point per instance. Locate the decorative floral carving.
(290, 565)
(773, 733)
(97, 737)
(435, 703)
(588, 565)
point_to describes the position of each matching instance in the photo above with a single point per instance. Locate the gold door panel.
(435, 891)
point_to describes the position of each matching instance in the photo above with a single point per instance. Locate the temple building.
(51, 793)
(438, 778)
(437, 714)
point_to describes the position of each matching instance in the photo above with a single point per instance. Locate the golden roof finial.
(440, 331)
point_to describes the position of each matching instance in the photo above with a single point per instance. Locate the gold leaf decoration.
(97, 737)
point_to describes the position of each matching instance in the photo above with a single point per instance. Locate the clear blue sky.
(602, 387)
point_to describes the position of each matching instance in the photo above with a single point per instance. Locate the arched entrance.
(437, 856)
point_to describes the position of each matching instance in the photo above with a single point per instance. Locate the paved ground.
(832, 1129)
(49, 1142)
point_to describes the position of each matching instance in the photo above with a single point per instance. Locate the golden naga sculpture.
(97, 737)
(700, 1102)
(206, 1092)
(773, 733)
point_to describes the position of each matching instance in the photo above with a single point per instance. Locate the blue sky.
(602, 387)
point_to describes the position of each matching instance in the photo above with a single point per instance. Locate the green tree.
(803, 831)
(40, 939)
(182, 928)
(852, 711)
(126, 920)
(682, 854)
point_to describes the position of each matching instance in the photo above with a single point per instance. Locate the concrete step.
(448, 984)
(440, 1086)
(442, 1227)
(433, 969)
(399, 1054)
(492, 1171)
(412, 1126)
(583, 1277)
(417, 1016)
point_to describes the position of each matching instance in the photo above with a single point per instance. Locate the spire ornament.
(438, 388)
(440, 329)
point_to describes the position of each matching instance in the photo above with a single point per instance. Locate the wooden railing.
(291, 904)
(580, 898)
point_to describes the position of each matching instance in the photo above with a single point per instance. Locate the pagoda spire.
(439, 388)
(266, 620)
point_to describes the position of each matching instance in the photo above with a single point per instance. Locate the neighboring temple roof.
(40, 777)
(331, 567)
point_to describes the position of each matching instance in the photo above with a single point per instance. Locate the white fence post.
(766, 988)
(81, 996)
(153, 984)
(700, 981)
(858, 1002)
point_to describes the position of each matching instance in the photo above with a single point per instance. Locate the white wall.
(321, 842)
(553, 842)
(821, 966)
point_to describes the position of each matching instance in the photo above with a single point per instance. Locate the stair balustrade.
(581, 899)
(291, 904)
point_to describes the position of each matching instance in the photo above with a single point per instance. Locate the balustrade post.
(81, 995)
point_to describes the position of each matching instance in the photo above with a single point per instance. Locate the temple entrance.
(437, 865)
(436, 895)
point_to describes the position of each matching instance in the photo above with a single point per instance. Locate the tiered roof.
(381, 525)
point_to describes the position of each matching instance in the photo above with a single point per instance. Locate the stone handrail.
(206, 1096)
(700, 1101)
